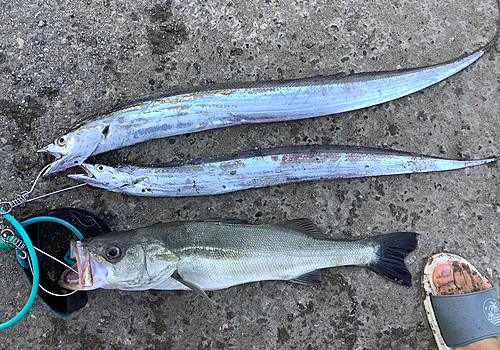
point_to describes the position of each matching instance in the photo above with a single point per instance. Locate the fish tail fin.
(394, 247)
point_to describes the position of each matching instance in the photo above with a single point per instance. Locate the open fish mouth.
(87, 177)
(72, 150)
(61, 162)
(106, 177)
(83, 279)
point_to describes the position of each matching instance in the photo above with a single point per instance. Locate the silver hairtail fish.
(261, 168)
(168, 114)
(217, 254)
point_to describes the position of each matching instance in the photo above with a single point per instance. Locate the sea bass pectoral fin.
(393, 248)
(193, 287)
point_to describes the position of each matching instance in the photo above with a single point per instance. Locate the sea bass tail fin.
(394, 247)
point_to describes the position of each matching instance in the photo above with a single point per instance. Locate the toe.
(460, 282)
(487, 284)
(477, 282)
(444, 281)
(466, 272)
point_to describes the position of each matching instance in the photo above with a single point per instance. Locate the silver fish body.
(261, 168)
(164, 115)
(210, 255)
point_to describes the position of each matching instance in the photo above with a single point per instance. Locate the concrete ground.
(61, 61)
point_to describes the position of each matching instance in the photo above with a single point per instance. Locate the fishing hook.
(23, 197)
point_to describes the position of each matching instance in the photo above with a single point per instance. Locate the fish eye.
(113, 253)
(61, 141)
(100, 168)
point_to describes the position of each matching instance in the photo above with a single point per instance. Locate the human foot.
(462, 307)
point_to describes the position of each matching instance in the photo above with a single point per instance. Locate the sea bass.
(217, 254)
(168, 114)
(261, 168)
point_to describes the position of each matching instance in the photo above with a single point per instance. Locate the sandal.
(458, 320)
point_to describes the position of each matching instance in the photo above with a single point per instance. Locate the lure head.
(130, 260)
(72, 149)
(104, 176)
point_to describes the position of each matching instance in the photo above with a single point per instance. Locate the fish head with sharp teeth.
(72, 149)
(103, 176)
(123, 260)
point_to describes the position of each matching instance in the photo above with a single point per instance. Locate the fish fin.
(138, 180)
(394, 247)
(310, 278)
(305, 226)
(232, 221)
(192, 286)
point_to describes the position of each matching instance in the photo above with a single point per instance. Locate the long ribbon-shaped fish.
(169, 114)
(261, 168)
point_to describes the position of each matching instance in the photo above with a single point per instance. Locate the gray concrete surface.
(61, 61)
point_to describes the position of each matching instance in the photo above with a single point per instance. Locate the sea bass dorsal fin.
(231, 221)
(192, 286)
(305, 226)
(310, 278)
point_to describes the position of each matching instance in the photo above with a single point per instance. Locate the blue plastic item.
(39, 219)
(34, 262)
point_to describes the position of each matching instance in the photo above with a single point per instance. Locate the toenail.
(446, 271)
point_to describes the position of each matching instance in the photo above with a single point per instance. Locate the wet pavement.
(63, 61)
